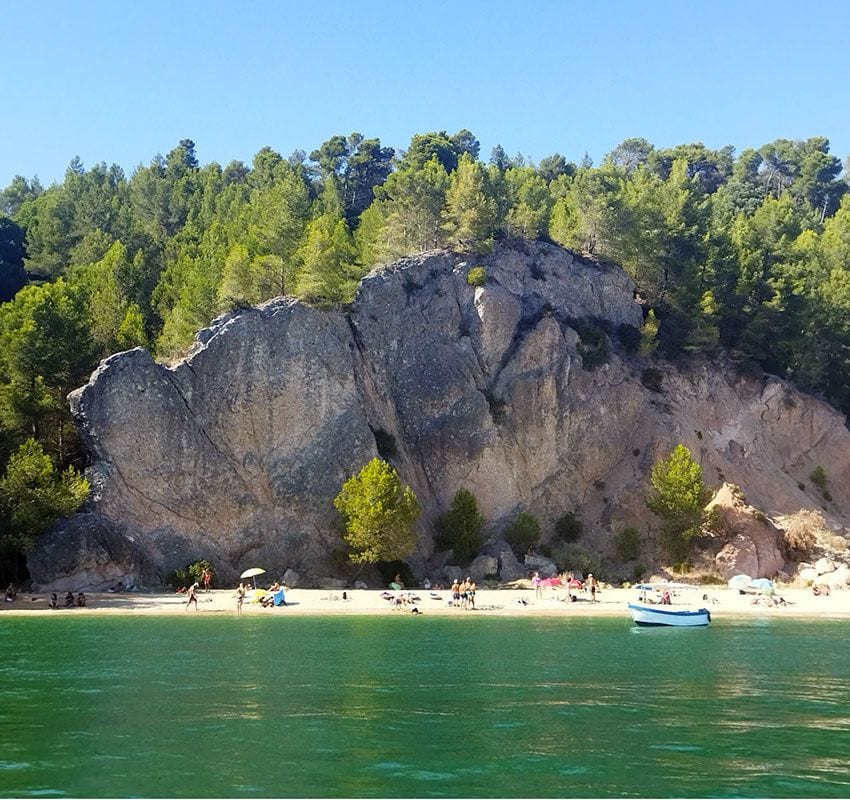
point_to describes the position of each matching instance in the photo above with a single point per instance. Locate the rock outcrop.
(236, 453)
(753, 544)
(89, 552)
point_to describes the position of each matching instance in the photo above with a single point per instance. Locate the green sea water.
(408, 706)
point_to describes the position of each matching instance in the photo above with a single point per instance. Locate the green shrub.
(653, 379)
(459, 529)
(628, 544)
(180, 577)
(477, 276)
(819, 478)
(388, 570)
(593, 344)
(649, 334)
(523, 532)
(573, 557)
(630, 338)
(568, 528)
(189, 574)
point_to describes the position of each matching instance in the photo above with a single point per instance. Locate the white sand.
(491, 602)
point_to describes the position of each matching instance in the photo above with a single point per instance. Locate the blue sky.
(120, 81)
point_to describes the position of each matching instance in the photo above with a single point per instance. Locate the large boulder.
(87, 553)
(545, 566)
(753, 544)
(484, 567)
(510, 569)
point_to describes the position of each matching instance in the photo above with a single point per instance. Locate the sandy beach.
(511, 602)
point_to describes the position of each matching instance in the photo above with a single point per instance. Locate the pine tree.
(379, 514)
(468, 218)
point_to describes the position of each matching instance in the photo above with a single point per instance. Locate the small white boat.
(645, 614)
(662, 611)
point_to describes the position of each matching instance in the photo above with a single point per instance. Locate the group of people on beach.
(566, 579)
(463, 594)
(70, 601)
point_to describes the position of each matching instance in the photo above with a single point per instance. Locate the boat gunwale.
(681, 613)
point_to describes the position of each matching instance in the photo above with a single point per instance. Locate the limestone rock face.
(236, 453)
(484, 567)
(89, 553)
(754, 545)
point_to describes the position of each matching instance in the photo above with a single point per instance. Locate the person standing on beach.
(591, 584)
(206, 577)
(455, 593)
(535, 582)
(193, 596)
(240, 596)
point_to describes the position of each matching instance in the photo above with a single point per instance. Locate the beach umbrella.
(252, 573)
(550, 582)
(740, 582)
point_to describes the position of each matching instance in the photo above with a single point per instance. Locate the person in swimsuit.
(206, 577)
(535, 582)
(240, 596)
(193, 596)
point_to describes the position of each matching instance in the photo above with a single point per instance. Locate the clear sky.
(119, 81)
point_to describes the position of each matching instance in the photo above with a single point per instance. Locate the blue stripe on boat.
(656, 610)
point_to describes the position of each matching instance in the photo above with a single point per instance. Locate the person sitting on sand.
(11, 593)
(81, 600)
(54, 601)
(192, 596)
(180, 590)
(69, 600)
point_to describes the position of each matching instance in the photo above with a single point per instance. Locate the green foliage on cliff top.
(745, 253)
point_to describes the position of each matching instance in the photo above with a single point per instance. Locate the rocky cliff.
(236, 453)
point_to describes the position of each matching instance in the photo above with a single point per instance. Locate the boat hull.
(669, 617)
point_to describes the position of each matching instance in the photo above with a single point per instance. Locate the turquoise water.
(421, 706)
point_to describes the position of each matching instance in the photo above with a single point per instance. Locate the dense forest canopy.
(750, 253)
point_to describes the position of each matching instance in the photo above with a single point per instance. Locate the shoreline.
(489, 602)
